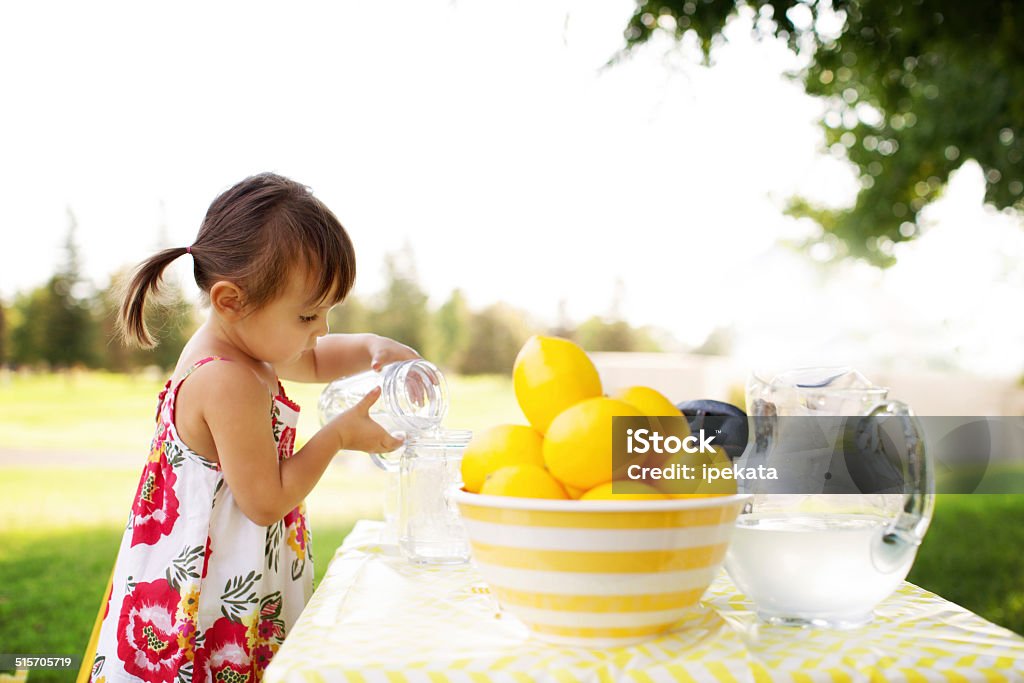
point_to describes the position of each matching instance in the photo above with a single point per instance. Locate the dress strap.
(198, 364)
(177, 385)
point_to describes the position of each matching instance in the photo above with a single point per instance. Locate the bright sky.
(487, 137)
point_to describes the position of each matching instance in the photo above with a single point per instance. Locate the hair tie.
(188, 250)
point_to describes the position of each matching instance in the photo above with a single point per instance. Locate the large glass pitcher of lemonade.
(838, 531)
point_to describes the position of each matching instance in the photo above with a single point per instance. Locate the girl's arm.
(236, 407)
(340, 355)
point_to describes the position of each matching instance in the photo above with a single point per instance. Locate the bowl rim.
(556, 505)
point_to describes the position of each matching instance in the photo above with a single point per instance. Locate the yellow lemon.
(497, 447)
(653, 403)
(573, 492)
(523, 481)
(624, 490)
(648, 401)
(551, 374)
(578, 445)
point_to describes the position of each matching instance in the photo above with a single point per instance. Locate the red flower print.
(206, 556)
(261, 657)
(147, 633)
(295, 523)
(155, 509)
(268, 630)
(224, 654)
(286, 445)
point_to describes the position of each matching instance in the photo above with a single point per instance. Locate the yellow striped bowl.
(598, 573)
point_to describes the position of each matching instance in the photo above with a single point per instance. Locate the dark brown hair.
(253, 234)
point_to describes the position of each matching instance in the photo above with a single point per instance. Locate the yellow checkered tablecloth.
(377, 618)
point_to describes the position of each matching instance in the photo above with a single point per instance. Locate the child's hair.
(253, 234)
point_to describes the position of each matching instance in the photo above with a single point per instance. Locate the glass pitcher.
(838, 531)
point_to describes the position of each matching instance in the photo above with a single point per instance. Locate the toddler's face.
(281, 330)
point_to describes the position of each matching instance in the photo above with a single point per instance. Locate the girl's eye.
(308, 318)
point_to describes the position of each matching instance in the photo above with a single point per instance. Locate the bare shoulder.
(215, 395)
(222, 382)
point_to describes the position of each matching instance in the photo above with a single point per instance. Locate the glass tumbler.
(430, 528)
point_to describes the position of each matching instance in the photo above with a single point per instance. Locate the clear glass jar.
(430, 529)
(414, 399)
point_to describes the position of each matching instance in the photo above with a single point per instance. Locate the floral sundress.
(200, 592)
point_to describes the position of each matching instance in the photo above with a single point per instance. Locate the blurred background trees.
(68, 322)
(912, 89)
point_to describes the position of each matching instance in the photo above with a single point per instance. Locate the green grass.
(79, 411)
(106, 412)
(972, 555)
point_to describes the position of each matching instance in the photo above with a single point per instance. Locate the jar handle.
(891, 547)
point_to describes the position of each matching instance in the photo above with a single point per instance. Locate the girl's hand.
(359, 432)
(384, 351)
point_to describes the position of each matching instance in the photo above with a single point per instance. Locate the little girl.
(215, 563)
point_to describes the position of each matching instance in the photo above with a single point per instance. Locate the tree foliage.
(449, 341)
(913, 89)
(602, 334)
(171, 319)
(55, 321)
(3, 334)
(402, 309)
(494, 337)
(40, 329)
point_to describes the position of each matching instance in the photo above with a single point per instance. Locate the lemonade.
(811, 568)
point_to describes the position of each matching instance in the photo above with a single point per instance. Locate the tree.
(55, 321)
(495, 336)
(913, 89)
(449, 337)
(351, 315)
(402, 309)
(71, 327)
(171, 319)
(3, 334)
(28, 326)
(601, 334)
(718, 343)
(611, 332)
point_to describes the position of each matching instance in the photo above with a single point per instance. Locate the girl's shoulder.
(225, 374)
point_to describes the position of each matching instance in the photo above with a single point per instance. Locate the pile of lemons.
(566, 451)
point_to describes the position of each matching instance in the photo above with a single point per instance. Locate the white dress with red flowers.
(200, 592)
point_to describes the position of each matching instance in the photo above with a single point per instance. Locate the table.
(375, 617)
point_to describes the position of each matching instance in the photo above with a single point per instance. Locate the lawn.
(60, 525)
(106, 412)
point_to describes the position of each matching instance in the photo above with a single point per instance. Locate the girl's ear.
(226, 299)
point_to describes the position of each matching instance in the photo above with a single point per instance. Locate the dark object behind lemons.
(727, 422)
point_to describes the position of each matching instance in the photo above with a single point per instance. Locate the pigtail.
(131, 319)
